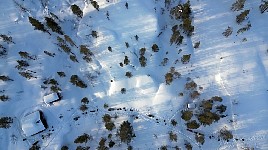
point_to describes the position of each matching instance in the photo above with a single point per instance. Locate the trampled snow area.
(234, 68)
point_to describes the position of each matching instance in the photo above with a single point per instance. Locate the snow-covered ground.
(234, 68)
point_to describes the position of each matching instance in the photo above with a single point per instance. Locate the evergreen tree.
(37, 25)
(77, 11)
(241, 17)
(126, 132)
(95, 5)
(264, 6)
(53, 25)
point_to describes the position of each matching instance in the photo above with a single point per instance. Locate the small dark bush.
(207, 105)
(186, 115)
(77, 11)
(194, 94)
(192, 124)
(75, 80)
(5, 122)
(123, 90)
(22, 64)
(241, 17)
(94, 34)
(26, 75)
(188, 146)
(155, 48)
(169, 78)
(245, 28)
(128, 74)
(61, 74)
(197, 44)
(143, 61)
(109, 126)
(5, 78)
(207, 118)
(176, 36)
(264, 6)
(53, 25)
(228, 32)
(126, 60)
(85, 100)
(83, 108)
(174, 122)
(106, 118)
(238, 5)
(185, 59)
(37, 25)
(190, 85)
(126, 132)
(102, 145)
(95, 5)
(83, 138)
(4, 98)
(142, 51)
(221, 109)
(216, 98)
(69, 40)
(73, 58)
(64, 148)
(225, 134)
(127, 45)
(7, 39)
(200, 138)
(173, 136)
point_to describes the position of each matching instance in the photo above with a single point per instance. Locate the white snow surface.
(235, 68)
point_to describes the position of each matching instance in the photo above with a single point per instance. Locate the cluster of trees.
(50, 24)
(26, 74)
(238, 5)
(242, 16)
(185, 58)
(95, 4)
(171, 75)
(75, 80)
(109, 125)
(245, 28)
(176, 36)
(86, 52)
(22, 64)
(76, 10)
(7, 39)
(225, 134)
(228, 31)
(126, 132)
(54, 85)
(264, 6)
(142, 58)
(208, 114)
(84, 138)
(3, 50)
(5, 122)
(84, 103)
(5, 78)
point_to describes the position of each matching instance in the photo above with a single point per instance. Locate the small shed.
(191, 105)
(51, 98)
(33, 123)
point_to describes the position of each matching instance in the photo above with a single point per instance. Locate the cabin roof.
(51, 98)
(32, 124)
